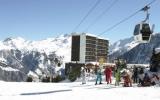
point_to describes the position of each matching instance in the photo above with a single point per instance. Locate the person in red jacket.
(108, 74)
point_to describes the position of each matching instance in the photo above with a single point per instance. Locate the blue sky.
(41, 19)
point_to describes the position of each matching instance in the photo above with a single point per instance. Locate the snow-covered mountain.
(20, 57)
(134, 52)
(122, 46)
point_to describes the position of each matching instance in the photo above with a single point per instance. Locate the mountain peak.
(123, 45)
(8, 39)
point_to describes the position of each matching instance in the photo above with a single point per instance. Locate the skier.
(99, 76)
(141, 76)
(155, 80)
(127, 79)
(129, 72)
(135, 75)
(83, 72)
(108, 73)
(146, 80)
(117, 76)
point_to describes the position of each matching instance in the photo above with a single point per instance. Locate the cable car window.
(145, 29)
(136, 30)
(146, 38)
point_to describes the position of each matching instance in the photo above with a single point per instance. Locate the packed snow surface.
(74, 91)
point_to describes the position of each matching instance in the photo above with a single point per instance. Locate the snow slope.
(74, 91)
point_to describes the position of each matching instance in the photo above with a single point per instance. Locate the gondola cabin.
(142, 32)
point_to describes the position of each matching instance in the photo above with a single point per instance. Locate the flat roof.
(89, 34)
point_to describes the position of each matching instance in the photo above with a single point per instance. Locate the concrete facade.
(90, 48)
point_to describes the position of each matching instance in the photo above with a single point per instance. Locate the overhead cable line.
(94, 6)
(125, 19)
(101, 15)
(112, 27)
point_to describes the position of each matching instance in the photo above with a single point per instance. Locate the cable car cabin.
(142, 32)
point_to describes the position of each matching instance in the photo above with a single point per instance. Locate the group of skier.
(127, 77)
(146, 78)
(99, 72)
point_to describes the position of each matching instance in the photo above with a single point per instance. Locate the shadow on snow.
(47, 92)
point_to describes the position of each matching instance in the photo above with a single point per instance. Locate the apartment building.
(88, 48)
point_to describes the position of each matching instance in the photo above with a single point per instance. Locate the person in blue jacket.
(99, 76)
